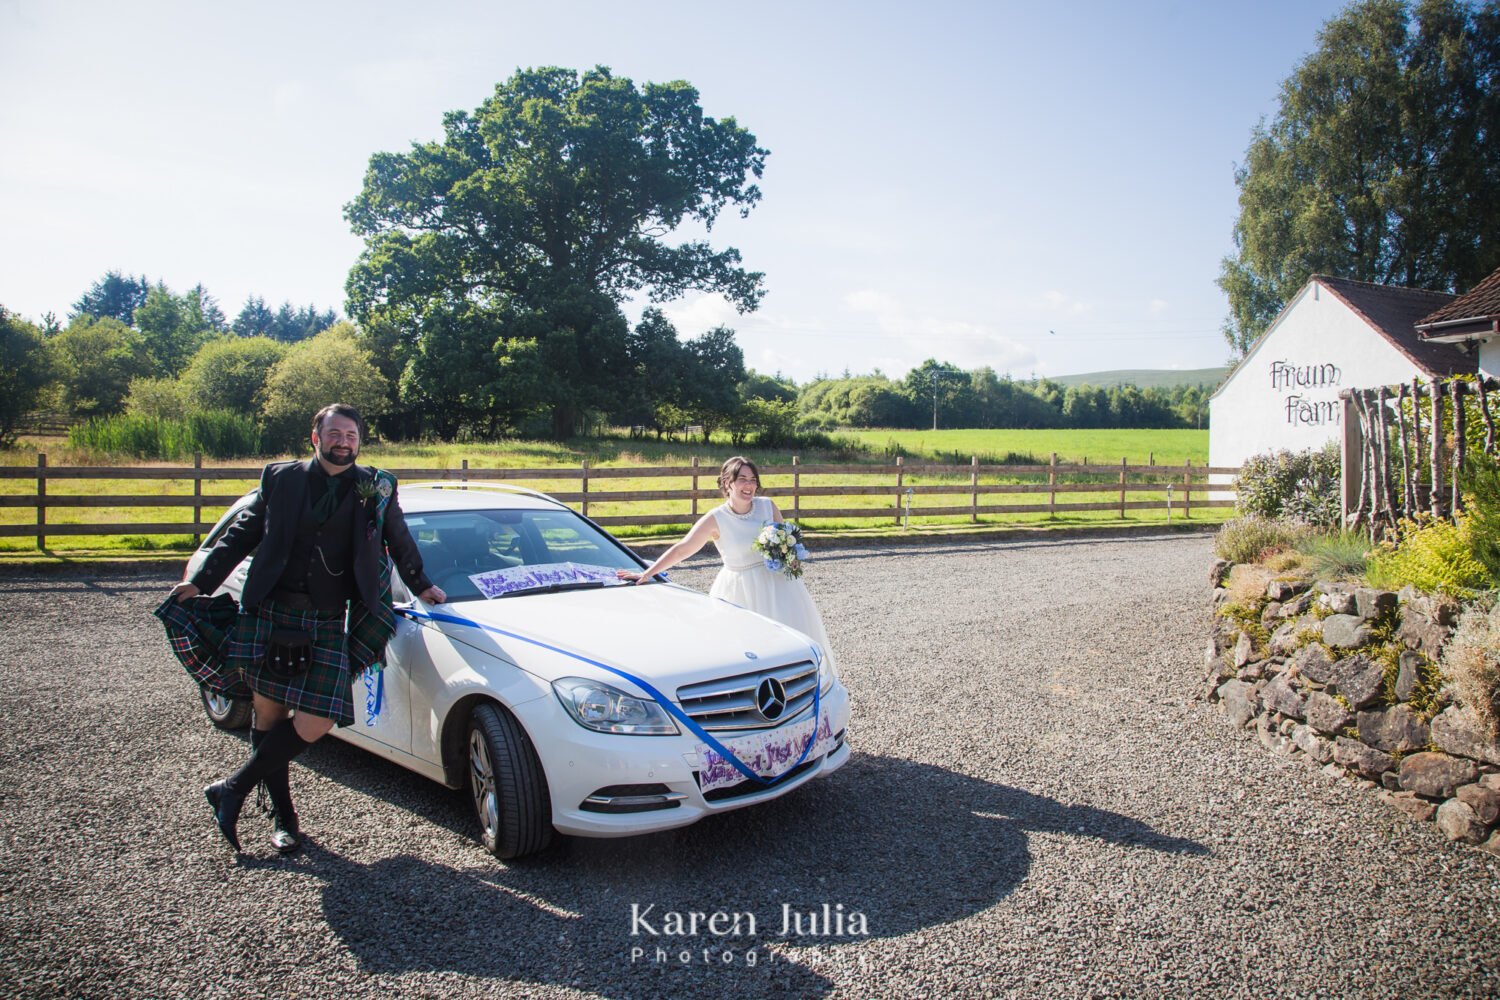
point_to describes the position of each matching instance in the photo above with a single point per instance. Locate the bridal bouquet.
(781, 545)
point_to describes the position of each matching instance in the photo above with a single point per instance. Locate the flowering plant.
(781, 545)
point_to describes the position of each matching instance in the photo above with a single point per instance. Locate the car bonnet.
(664, 634)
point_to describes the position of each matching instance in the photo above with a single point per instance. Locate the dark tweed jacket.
(268, 526)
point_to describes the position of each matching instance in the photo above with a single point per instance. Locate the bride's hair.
(731, 469)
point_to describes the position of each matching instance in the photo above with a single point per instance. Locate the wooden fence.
(1405, 445)
(892, 493)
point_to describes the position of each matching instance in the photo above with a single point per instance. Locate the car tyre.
(223, 711)
(507, 786)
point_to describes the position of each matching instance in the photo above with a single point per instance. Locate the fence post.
(197, 497)
(1052, 488)
(1436, 499)
(585, 487)
(796, 490)
(463, 473)
(1456, 501)
(41, 499)
(695, 489)
(1187, 489)
(900, 481)
(1351, 462)
(974, 488)
(1122, 486)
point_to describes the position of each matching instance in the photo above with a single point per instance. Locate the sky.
(1041, 188)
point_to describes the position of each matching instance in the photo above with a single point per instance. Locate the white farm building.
(1335, 334)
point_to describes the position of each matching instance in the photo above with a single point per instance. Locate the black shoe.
(226, 806)
(286, 835)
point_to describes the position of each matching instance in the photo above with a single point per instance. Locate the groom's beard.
(340, 455)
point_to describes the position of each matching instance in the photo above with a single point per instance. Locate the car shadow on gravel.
(903, 845)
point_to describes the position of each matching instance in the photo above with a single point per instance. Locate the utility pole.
(934, 398)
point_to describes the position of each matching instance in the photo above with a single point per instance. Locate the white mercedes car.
(567, 702)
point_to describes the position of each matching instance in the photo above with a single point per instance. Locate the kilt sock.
(278, 786)
(278, 747)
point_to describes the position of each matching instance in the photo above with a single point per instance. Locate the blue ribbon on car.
(374, 694)
(657, 696)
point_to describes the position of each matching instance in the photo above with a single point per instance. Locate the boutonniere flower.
(367, 490)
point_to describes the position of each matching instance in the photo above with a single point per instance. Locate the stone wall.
(1346, 678)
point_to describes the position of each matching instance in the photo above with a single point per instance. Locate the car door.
(382, 698)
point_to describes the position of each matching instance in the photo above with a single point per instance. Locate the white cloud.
(1156, 307)
(870, 301)
(699, 314)
(1055, 303)
(909, 338)
(769, 361)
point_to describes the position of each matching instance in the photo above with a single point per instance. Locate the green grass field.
(620, 453)
(1138, 447)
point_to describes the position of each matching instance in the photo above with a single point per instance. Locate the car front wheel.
(223, 711)
(507, 785)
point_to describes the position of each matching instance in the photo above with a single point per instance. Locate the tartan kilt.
(198, 630)
(324, 689)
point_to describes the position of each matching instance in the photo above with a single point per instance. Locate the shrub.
(1247, 539)
(328, 368)
(155, 397)
(216, 434)
(1472, 661)
(1435, 557)
(1481, 488)
(222, 434)
(1335, 555)
(1286, 561)
(1300, 486)
(231, 373)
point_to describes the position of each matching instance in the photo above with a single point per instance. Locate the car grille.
(729, 703)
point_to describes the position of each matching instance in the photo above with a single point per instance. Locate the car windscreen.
(478, 554)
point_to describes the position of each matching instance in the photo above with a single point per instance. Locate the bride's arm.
(699, 536)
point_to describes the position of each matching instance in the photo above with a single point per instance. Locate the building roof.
(1393, 312)
(1475, 314)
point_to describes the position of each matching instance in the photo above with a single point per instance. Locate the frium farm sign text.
(1302, 410)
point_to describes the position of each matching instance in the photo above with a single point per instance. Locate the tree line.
(139, 349)
(134, 346)
(937, 394)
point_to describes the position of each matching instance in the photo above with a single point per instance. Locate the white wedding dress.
(745, 581)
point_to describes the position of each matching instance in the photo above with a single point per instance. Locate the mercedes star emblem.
(770, 699)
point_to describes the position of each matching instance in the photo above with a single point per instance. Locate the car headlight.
(826, 672)
(606, 709)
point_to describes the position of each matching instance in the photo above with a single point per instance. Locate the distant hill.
(1146, 378)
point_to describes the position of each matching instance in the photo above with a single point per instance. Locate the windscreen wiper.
(554, 588)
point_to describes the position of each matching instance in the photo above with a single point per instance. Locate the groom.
(320, 531)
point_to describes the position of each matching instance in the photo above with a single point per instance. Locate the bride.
(744, 579)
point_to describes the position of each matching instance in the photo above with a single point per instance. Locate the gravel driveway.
(1035, 807)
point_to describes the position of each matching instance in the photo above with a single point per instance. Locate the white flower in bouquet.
(781, 545)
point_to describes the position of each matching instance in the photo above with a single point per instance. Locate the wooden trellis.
(1392, 473)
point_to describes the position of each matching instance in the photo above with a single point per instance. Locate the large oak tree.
(1382, 163)
(503, 251)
